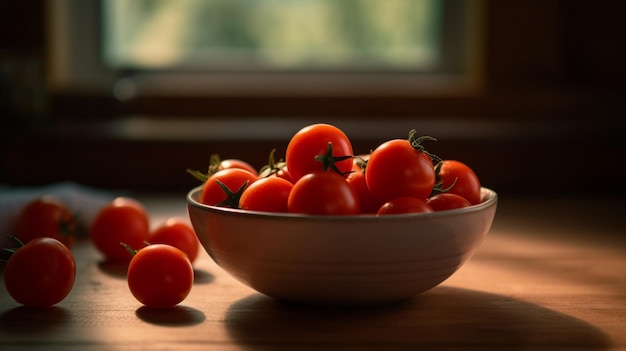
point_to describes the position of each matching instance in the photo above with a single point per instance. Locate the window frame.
(76, 66)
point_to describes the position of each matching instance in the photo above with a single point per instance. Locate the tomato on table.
(323, 193)
(455, 177)
(160, 275)
(404, 204)
(400, 167)
(46, 216)
(179, 233)
(308, 151)
(267, 194)
(123, 220)
(41, 273)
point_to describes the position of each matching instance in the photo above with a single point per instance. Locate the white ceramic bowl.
(341, 259)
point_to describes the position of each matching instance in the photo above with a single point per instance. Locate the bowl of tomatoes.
(311, 235)
(354, 259)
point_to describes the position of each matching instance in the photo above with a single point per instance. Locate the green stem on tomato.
(329, 161)
(272, 166)
(130, 250)
(232, 198)
(438, 188)
(416, 142)
(11, 250)
(198, 175)
(214, 166)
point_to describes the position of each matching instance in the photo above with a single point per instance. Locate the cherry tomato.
(405, 204)
(178, 233)
(46, 216)
(41, 273)
(396, 168)
(460, 179)
(447, 201)
(284, 174)
(236, 163)
(313, 141)
(123, 220)
(216, 164)
(235, 180)
(368, 203)
(267, 194)
(160, 275)
(323, 193)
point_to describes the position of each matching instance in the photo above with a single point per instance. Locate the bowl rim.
(489, 196)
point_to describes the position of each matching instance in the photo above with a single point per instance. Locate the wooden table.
(550, 275)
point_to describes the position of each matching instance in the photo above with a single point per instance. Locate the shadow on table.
(201, 276)
(176, 316)
(34, 320)
(443, 318)
(113, 269)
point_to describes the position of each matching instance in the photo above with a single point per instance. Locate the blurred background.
(128, 94)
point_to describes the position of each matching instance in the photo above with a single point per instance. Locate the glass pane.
(218, 35)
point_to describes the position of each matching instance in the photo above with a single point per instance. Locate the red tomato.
(447, 201)
(178, 233)
(284, 174)
(46, 216)
(467, 183)
(323, 193)
(216, 164)
(40, 273)
(313, 141)
(236, 163)
(405, 204)
(234, 179)
(267, 194)
(396, 169)
(123, 220)
(368, 203)
(160, 275)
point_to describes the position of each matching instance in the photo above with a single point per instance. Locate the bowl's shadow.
(442, 318)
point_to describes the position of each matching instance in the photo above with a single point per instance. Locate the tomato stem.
(438, 188)
(11, 250)
(16, 240)
(329, 161)
(232, 198)
(214, 166)
(361, 162)
(198, 175)
(68, 227)
(416, 142)
(272, 166)
(130, 250)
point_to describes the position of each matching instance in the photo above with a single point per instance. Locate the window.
(260, 47)
(272, 35)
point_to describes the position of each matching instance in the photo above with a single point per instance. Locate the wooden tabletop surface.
(551, 274)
